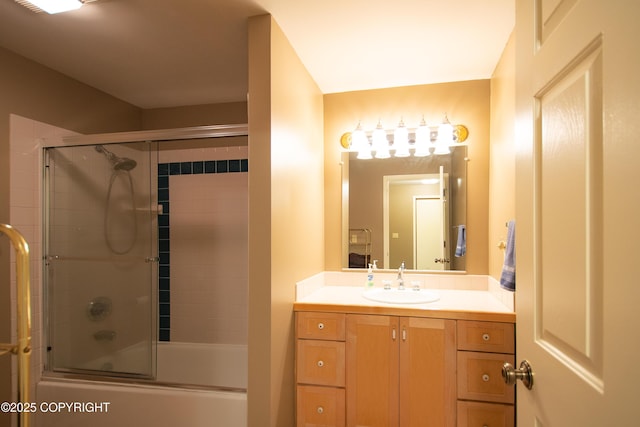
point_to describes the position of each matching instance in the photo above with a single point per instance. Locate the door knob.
(524, 374)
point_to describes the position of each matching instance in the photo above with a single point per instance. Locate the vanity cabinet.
(400, 371)
(389, 370)
(484, 400)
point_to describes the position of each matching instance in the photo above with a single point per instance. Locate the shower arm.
(23, 315)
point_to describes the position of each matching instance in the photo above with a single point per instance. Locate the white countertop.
(450, 300)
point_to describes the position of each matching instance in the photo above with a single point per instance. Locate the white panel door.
(429, 235)
(578, 204)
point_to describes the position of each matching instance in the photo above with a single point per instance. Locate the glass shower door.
(100, 273)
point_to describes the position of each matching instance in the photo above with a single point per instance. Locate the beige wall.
(195, 115)
(286, 237)
(464, 102)
(502, 165)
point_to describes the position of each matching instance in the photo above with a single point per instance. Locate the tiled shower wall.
(203, 244)
(26, 138)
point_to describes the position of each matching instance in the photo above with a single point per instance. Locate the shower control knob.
(525, 374)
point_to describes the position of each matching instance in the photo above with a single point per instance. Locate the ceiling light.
(51, 6)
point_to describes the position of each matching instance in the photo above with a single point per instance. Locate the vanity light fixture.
(421, 140)
(52, 6)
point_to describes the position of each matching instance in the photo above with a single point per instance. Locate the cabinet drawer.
(477, 414)
(486, 336)
(320, 326)
(480, 377)
(320, 406)
(320, 362)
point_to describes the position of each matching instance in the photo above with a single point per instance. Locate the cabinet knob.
(320, 325)
(320, 409)
(320, 363)
(485, 378)
(486, 337)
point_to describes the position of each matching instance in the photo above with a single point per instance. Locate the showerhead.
(118, 163)
(124, 163)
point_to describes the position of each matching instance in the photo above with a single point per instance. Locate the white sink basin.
(406, 296)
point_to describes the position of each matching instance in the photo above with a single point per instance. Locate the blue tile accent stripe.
(165, 170)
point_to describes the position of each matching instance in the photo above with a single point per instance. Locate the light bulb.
(358, 139)
(445, 137)
(364, 154)
(401, 140)
(423, 139)
(380, 143)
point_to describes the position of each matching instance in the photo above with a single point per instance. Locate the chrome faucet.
(401, 277)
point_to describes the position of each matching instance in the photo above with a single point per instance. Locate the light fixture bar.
(420, 140)
(51, 6)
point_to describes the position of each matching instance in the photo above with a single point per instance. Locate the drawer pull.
(486, 337)
(485, 378)
(321, 326)
(320, 409)
(320, 363)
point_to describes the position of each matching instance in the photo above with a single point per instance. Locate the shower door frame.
(175, 134)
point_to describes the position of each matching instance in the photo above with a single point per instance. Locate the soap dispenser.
(369, 284)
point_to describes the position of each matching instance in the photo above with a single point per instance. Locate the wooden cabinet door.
(372, 371)
(427, 372)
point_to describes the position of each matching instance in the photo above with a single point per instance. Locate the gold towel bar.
(23, 315)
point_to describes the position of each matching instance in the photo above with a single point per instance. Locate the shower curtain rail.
(196, 132)
(23, 315)
(50, 258)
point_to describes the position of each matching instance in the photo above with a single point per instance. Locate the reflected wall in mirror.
(394, 218)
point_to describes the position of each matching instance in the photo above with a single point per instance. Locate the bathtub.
(222, 365)
(71, 402)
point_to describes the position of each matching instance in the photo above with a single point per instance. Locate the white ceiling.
(164, 53)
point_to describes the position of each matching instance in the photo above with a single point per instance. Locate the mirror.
(407, 209)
